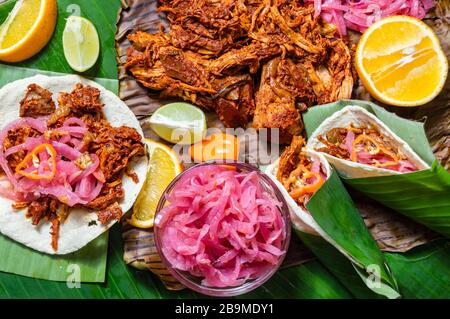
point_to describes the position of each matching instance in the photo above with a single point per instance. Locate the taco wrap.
(72, 161)
(303, 176)
(299, 173)
(359, 145)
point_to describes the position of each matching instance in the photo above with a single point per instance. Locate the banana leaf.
(310, 280)
(21, 260)
(10, 73)
(91, 260)
(421, 196)
(420, 273)
(423, 271)
(334, 211)
(5, 8)
(338, 265)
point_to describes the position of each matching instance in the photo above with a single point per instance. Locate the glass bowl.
(194, 282)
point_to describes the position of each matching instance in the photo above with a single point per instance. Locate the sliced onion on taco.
(358, 144)
(72, 162)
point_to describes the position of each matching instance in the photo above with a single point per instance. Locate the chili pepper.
(217, 146)
(309, 188)
(33, 157)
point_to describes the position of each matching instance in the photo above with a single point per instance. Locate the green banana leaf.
(423, 272)
(91, 260)
(420, 273)
(5, 8)
(338, 265)
(334, 211)
(310, 280)
(422, 196)
(10, 73)
(21, 260)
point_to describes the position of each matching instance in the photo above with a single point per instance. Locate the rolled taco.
(299, 173)
(72, 161)
(303, 176)
(359, 145)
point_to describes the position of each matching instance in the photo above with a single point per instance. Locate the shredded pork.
(37, 102)
(251, 61)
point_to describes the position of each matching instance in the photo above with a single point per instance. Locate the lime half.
(179, 122)
(81, 43)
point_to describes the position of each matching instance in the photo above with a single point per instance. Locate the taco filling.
(58, 158)
(365, 145)
(301, 174)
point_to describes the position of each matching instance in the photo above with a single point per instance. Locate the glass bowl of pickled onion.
(222, 228)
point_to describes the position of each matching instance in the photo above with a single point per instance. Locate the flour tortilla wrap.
(79, 227)
(334, 217)
(301, 219)
(358, 116)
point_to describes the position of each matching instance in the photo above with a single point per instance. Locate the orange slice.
(27, 29)
(164, 166)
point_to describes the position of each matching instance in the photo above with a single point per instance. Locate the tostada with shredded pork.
(72, 161)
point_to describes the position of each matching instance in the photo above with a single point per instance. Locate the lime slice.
(179, 122)
(81, 43)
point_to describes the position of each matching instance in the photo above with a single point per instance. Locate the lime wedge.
(81, 43)
(179, 122)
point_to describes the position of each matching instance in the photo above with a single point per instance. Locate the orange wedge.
(164, 166)
(27, 29)
(400, 61)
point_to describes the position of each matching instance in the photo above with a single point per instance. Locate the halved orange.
(400, 61)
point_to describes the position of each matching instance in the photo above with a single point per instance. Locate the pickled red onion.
(74, 120)
(222, 226)
(66, 151)
(349, 139)
(71, 185)
(15, 149)
(358, 15)
(36, 124)
(406, 167)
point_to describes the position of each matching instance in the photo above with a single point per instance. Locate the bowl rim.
(250, 284)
